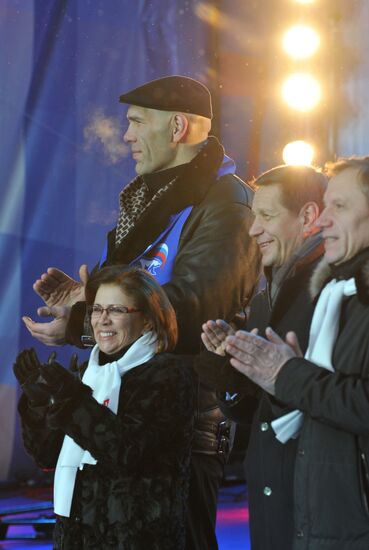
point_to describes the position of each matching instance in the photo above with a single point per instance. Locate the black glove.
(73, 364)
(60, 382)
(26, 366)
(27, 371)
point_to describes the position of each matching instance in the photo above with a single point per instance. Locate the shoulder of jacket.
(322, 274)
(230, 188)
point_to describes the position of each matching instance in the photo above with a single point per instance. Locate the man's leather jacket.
(217, 263)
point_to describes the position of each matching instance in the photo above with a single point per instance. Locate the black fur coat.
(134, 498)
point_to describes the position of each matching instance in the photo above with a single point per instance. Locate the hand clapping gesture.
(214, 335)
(261, 359)
(59, 292)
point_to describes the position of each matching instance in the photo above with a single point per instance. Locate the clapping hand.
(60, 382)
(261, 359)
(41, 382)
(214, 335)
(56, 288)
(27, 371)
(216, 372)
(54, 332)
(59, 292)
(26, 366)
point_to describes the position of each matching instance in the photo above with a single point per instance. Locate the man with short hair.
(185, 218)
(326, 393)
(286, 205)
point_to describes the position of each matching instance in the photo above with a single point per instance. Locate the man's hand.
(292, 340)
(260, 359)
(53, 333)
(214, 335)
(56, 288)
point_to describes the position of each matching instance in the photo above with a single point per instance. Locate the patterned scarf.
(134, 201)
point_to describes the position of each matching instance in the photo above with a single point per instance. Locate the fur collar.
(320, 277)
(358, 268)
(188, 188)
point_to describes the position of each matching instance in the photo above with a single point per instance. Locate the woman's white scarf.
(105, 381)
(323, 334)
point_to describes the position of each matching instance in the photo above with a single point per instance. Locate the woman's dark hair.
(147, 295)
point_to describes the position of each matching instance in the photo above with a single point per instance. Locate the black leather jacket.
(217, 264)
(213, 432)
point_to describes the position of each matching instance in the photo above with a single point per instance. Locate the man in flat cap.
(185, 218)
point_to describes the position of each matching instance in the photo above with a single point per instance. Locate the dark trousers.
(206, 476)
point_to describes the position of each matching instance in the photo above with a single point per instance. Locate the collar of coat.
(307, 254)
(357, 267)
(188, 187)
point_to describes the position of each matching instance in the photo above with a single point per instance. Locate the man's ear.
(309, 213)
(180, 127)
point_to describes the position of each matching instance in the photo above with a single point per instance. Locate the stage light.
(301, 91)
(298, 153)
(300, 41)
(305, 1)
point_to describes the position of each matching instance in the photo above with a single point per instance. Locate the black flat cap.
(172, 93)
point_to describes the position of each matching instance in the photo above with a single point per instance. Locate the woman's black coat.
(134, 498)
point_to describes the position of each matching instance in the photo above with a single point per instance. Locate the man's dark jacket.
(216, 266)
(331, 475)
(269, 464)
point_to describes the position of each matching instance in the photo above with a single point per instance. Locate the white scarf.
(105, 381)
(323, 334)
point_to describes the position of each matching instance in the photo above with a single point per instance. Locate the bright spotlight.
(301, 91)
(298, 153)
(305, 1)
(300, 41)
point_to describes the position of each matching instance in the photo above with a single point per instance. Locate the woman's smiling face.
(113, 332)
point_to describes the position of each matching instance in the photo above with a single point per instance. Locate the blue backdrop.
(63, 65)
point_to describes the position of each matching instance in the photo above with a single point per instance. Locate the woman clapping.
(120, 437)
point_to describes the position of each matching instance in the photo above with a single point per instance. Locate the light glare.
(301, 91)
(300, 41)
(298, 153)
